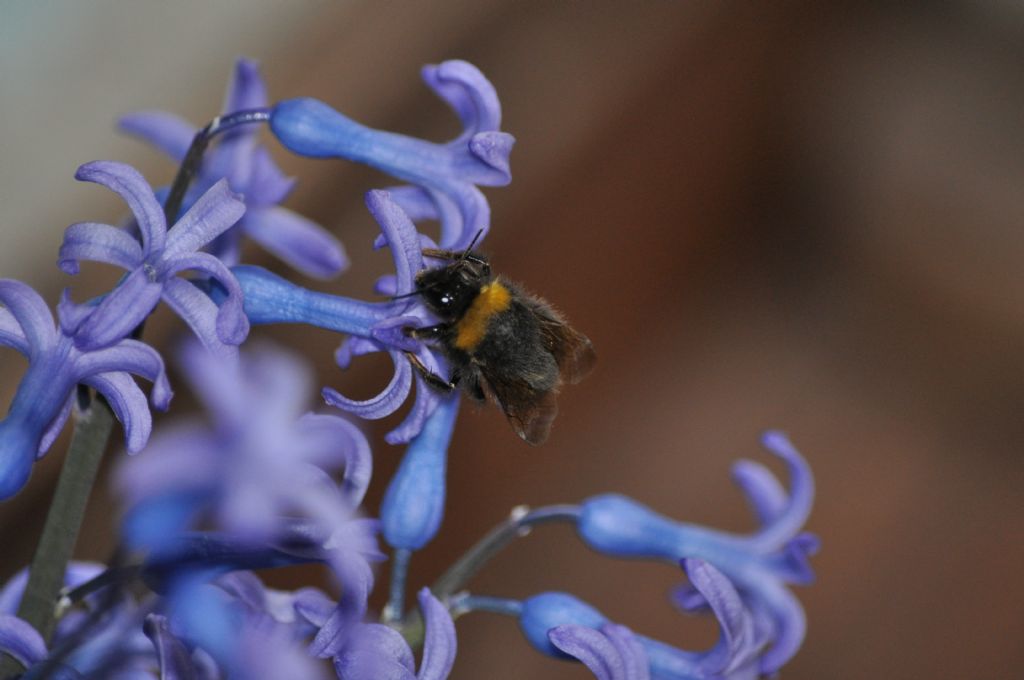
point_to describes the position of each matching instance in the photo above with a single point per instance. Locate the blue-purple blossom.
(154, 261)
(444, 177)
(761, 564)
(251, 172)
(373, 651)
(611, 652)
(734, 656)
(46, 393)
(372, 326)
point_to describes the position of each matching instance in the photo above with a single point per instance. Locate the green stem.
(63, 521)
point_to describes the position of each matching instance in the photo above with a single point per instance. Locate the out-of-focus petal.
(136, 192)
(98, 243)
(468, 92)
(170, 133)
(767, 497)
(174, 658)
(21, 640)
(439, 646)
(29, 310)
(120, 312)
(129, 405)
(375, 652)
(213, 214)
(786, 524)
(11, 334)
(267, 184)
(300, 242)
(344, 438)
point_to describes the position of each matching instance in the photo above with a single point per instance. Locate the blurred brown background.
(796, 214)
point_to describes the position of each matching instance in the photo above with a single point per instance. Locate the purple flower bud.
(250, 171)
(413, 505)
(445, 175)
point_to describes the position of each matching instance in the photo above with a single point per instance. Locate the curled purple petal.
(97, 243)
(736, 643)
(11, 334)
(174, 658)
(166, 131)
(592, 648)
(385, 403)
(767, 498)
(21, 640)
(468, 92)
(232, 324)
(787, 523)
(129, 405)
(53, 430)
(439, 646)
(267, 185)
(199, 312)
(131, 356)
(402, 237)
(29, 310)
(346, 438)
(213, 214)
(300, 242)
(136, 192)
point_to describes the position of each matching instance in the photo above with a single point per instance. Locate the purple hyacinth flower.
(45, 395)
(374, 651)
(761, 564)
(444, 176)
(610, 652)
(372, 327)
(263, 460)
(734, 656)
(154, 263)
(251, 172)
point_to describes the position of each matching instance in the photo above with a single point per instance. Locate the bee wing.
(572, 350)
(529, 411)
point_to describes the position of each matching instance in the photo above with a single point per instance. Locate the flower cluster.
(262, 483)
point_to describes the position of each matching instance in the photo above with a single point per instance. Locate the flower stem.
(46, 576)
(520, 520)
(396, 597)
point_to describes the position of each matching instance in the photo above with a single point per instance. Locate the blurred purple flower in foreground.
(46, 394)
(251, 172)
(154, 263)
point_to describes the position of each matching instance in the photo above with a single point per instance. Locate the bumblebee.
(504, 345)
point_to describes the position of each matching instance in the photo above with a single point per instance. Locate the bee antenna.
(406, 295)
(472, 243)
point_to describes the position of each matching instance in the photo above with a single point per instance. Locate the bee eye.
(446, 300)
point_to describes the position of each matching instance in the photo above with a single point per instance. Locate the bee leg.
(433, 379)
(426, 332)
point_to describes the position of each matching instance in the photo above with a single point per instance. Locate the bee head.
(449, 291)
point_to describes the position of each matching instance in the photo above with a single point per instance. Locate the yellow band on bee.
(493, 299)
